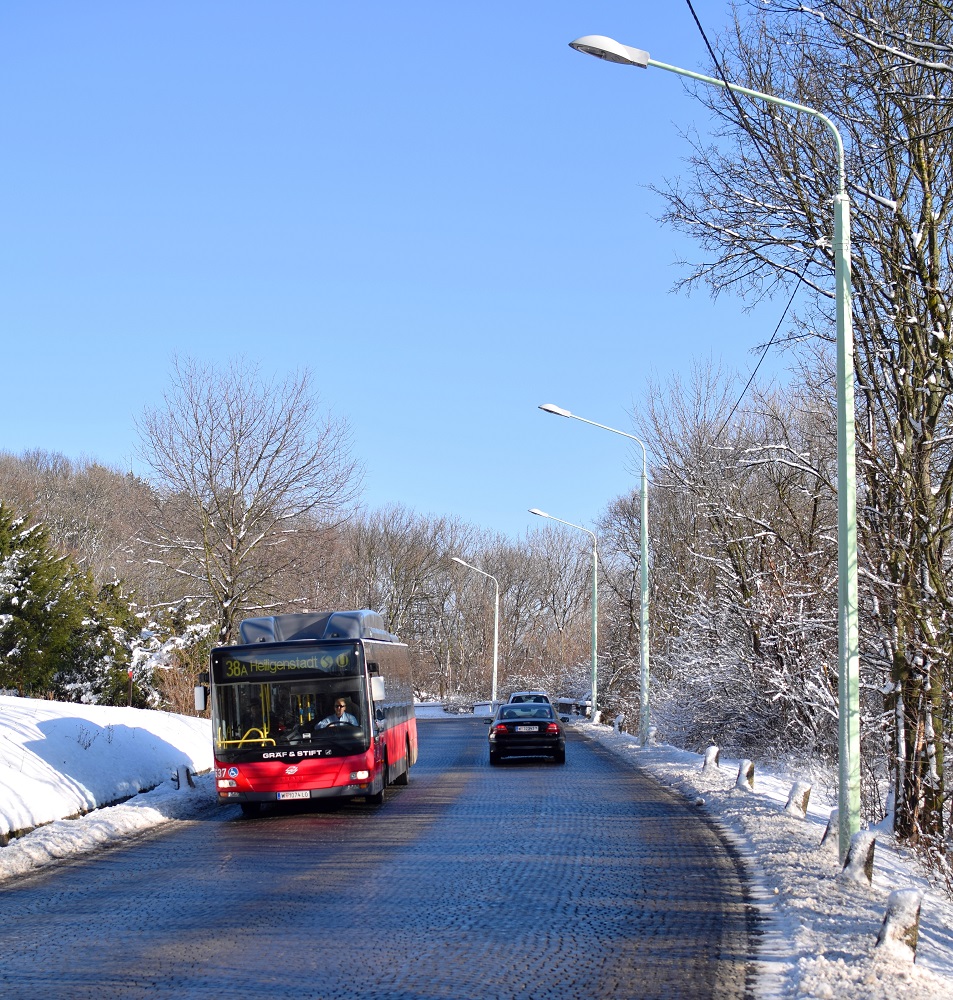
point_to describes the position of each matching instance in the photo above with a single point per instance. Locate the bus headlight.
(226, 783)
(360, 775)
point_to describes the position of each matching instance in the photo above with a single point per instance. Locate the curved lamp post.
(595, 602)
(644, 712)
(496, 620)
(848, 792)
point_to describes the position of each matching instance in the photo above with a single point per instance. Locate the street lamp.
(644, 713)
(595, 603)
(848, 793)
(496, 620)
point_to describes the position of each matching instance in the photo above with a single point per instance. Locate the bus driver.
(341, 716)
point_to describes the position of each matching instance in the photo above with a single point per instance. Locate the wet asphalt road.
(529, 880)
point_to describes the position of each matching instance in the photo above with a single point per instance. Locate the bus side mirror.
(377, 688)
(201, 697)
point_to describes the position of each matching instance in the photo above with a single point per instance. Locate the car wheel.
(560, 757)
(494, 758)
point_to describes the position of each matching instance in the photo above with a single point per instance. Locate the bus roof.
(362, 624)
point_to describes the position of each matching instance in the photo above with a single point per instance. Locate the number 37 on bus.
(310, 706)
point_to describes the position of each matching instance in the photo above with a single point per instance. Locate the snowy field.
(62, 760)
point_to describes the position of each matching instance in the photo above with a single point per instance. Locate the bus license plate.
(526, 729)
(304, 794)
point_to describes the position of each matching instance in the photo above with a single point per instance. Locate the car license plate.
(526, 729)
(303, 794)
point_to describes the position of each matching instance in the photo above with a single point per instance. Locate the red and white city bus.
(311, 706)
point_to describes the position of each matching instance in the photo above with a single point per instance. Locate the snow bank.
(59, 760)
(821, 929)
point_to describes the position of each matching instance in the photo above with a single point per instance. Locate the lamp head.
(553, 408)
(538, 512)
(609, 49)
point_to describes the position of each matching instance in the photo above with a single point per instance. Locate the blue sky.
(439, 208)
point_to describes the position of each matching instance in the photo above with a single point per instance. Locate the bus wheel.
(404, 777)
(377, 798)
(250, 808)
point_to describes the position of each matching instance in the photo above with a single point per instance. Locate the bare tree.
(393, 558)
(239, 462)
(398, 563)
(88, 509)
(529, 645)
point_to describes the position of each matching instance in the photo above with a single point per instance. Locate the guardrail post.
(745, 778)
(712, 757)
(183, 777)
(901, 926)
(859, 866)
(798, 799)
(832, 830)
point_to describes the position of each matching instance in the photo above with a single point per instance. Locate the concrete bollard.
(901, 926)
(859, 866)
(712, 758)
(798, 799)
(745, 778)
(832, 831)
(617, 722)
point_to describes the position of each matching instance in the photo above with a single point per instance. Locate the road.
(529, 880)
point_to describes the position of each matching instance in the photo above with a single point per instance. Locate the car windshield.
(521, 712)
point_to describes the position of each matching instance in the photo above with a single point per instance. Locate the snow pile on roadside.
(61, 760)
(67, 838)
(822, 927)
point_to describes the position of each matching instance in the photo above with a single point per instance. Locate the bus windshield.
(283, 699)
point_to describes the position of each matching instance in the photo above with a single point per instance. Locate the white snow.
(61, 760)
(58, 760)
(823, 927)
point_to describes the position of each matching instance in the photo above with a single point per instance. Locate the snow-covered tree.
(44, 603)
(758, 201)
